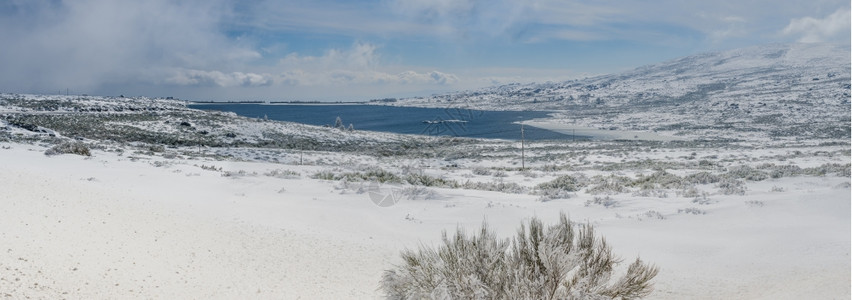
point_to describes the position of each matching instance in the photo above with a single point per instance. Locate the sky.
(336, 50)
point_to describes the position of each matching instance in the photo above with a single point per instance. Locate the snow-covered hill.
(773, 91)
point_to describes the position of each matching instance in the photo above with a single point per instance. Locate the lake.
(406, 120)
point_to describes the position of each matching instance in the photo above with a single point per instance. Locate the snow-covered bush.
(338, 123)
(426, 180)
(658, 180)
(731, 187)
(656, 193)
(553, 194)
(418, 193)
(754, 203)
(371, 174)
(747, 173)
(69, 148)
(826, 169)
(553, 262)
(323, 175)
(481, 171)
(607, 202)
(702, 178)
(494, 186)
(528, 173)
(285, 174)
(569, 183)
(691, 210)
(608, 185)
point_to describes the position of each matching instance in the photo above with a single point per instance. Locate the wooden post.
(522, 148)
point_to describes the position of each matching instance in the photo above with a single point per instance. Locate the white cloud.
(361, 56)
(426, 77)
(216, 78)
(811, 30)
(360, 64)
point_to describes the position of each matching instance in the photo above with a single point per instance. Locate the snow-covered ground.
(134, 225)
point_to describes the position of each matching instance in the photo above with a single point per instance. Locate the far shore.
(276, 103)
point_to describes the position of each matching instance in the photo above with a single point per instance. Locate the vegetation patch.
(542, 262)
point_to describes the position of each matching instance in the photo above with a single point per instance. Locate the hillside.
(768, 92)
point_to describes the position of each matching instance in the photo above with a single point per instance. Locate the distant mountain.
(773, 91)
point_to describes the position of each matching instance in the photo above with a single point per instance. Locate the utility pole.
(301, 146)
(522, 147)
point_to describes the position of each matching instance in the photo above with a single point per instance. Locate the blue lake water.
(407, 120)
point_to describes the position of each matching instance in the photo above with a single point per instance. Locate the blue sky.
(359, 50)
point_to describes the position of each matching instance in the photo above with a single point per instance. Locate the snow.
(113, 226)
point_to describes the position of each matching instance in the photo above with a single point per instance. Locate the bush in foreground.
(539, 263)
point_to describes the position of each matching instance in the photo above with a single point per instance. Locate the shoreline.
(597, 134)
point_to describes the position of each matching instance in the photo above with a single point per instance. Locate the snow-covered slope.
(772, 91)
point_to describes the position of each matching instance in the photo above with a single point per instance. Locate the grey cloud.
(91, 44)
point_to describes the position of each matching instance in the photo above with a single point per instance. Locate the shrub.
(552, 194)
(494, 186)
(372, 174)
(657, 193)
(702, 178)
(825, 169)
(541, 262)
(702, 199)
(568, 183)
(426, 180)
(603, 201)
(285, 174)
(659, 179)
(324, 175)
(69, 148)
(689, 192)
(481, 171)
(380, 175)
(754, 203)
(731, 187)
(785, 171)
(609, 185)
(418, 193)
(691, 210)
(747, 173)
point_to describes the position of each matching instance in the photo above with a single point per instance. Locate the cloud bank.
(360, 64)
(814, 30)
